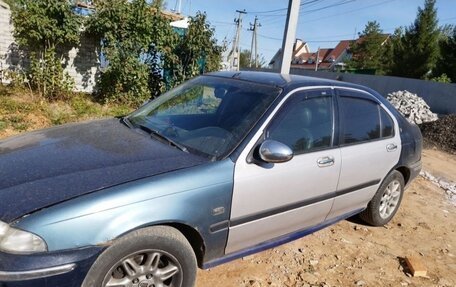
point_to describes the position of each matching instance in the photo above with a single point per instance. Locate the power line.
(307, 41)
(282, 9)
(328, 7)
(347, 12)
(222, 23)
(446, 19)
(341, 2)
(302, 12)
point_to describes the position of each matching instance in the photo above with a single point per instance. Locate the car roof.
(282, 80)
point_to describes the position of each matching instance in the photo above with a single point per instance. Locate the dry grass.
(22, 111)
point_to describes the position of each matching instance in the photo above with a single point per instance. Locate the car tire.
(384, 205)
(158, 255)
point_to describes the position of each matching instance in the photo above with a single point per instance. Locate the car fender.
(199, 197)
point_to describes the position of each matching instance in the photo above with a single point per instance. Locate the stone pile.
(412, 107)
(448, 186)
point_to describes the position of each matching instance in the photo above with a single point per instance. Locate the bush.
(41, 28)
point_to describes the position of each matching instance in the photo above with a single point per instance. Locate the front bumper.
(53, 269)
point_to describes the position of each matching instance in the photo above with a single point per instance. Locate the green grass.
(22, 111)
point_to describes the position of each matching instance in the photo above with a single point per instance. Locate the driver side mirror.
(275, 152)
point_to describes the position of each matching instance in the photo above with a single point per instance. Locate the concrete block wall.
(81, 63)
(6, 38)
(440, 97)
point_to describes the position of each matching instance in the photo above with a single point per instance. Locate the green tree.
(197, 51)
(416, 53)
(446, 64)
(45, 29)
(393, 49)
(368, 52)
(144, 52)
(244, 60)
(136, 40)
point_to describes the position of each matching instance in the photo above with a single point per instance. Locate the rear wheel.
(151, 257)
(382, 208)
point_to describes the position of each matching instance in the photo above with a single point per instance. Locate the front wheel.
(386, 201)
(157, 256)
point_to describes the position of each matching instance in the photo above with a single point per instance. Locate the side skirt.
(276, 242)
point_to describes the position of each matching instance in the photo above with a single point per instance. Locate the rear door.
(273, 200)
(370, 147)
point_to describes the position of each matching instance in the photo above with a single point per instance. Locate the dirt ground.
(351, 253)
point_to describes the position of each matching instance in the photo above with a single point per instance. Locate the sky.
(322, 23)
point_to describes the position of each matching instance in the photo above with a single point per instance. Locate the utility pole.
(178, 6)
(316, 61)
(289, 35)
(254, 51)
(236, 52)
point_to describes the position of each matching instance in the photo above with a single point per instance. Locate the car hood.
(45, 167)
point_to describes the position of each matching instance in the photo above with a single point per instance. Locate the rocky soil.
(441, 133)
(351, 253)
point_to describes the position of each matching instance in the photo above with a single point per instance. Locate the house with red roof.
(323, 59)
(300, 49)
(331, 59)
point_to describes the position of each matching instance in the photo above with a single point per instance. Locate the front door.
(273, 200)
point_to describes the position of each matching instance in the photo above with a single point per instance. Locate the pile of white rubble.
(448, 186)
(412, 107)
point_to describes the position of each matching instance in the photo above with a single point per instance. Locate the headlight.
(19, 241)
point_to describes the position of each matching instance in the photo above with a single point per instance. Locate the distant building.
(325, 58)
(332, 59)
(84, 8)
(300, 48)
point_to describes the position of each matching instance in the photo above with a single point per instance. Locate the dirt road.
(353, 254)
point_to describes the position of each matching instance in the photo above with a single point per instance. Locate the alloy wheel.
(146, 268)
(390, 199)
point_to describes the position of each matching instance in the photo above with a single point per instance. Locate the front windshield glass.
(208, 115)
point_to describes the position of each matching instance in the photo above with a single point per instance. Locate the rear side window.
(360, 120)
(387, 124)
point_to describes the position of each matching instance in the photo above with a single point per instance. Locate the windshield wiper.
(158, 135)
(127, 122)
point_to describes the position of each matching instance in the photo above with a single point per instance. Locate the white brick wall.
(82, 64)
(6, 35)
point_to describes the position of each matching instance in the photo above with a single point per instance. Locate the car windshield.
(208, 115)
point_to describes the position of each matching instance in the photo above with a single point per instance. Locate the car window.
(305, 122)
(387, 124)
(194, 101)
(360, 120)
(207, 116)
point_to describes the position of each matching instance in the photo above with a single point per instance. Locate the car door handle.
(391, 147)
(325, 161)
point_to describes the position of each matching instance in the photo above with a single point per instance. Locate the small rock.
(313, 262)
(345, 241)
(360, 283)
